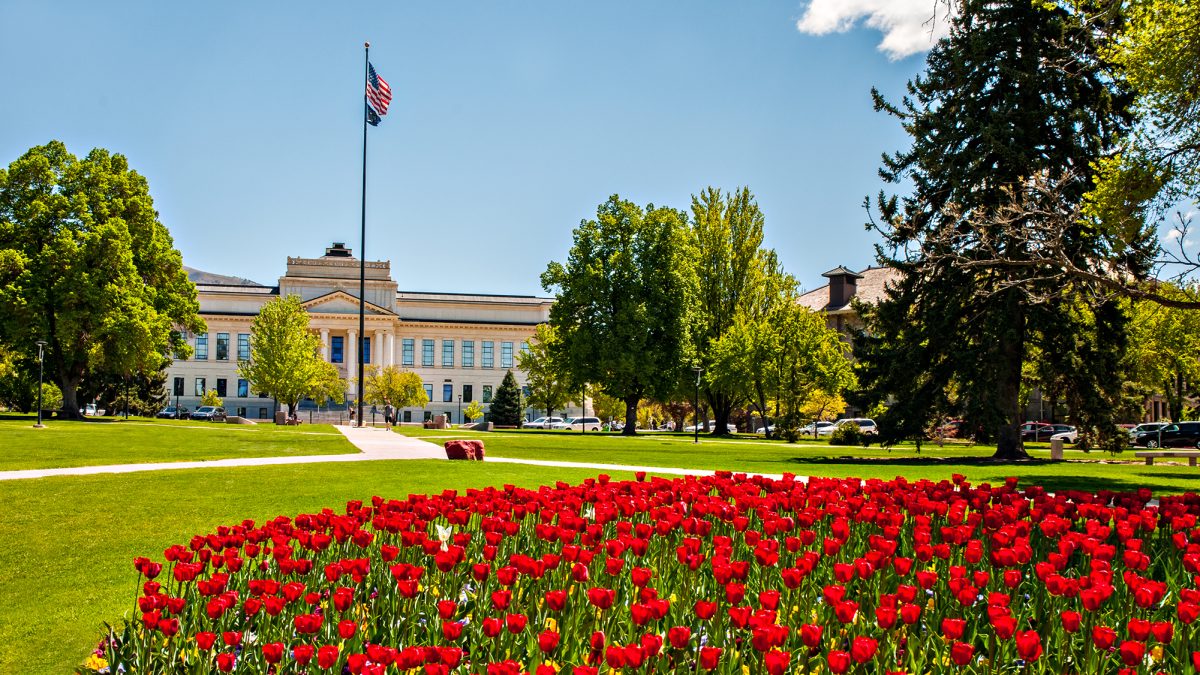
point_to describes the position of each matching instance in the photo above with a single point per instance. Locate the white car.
(579, 424)
(823, 429)
(1071, 436)
(865, 425)
(542, 423)
(712, 424)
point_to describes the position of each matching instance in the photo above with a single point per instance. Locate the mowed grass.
(91, 443)
(1092, 471)
(68, 542)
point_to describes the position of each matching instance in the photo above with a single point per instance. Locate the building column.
(380, 359)
(352, 361)
(324, 344)
(391, 349)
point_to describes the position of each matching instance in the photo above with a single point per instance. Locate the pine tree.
(506, 404)
(1014, 109)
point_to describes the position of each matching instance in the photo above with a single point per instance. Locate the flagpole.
(362, 246)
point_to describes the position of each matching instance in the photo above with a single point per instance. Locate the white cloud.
(908, 26)
(1173, 234)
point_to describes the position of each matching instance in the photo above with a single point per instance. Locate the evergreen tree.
(506, 404)
(1006, 124)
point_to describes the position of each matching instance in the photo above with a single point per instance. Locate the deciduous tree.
(285, 359)
(86, 265)
(546, 379)
(621, 302)
(393, 386)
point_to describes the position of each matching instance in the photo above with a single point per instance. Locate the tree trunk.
(1175, 396)
(721, 408)
(631, 404)
(1011, 353)
(70, 402)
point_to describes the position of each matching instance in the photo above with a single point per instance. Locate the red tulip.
(862, 649)
(273, 652)
(952, 629)
(602, 598)
(452, 630)
(710, 657)
(810, 635)
(1103, 637)
(1004, 626)
(548, 640)
(679, 636)
(226, 661)
(839, 662)
(705, 609)
(501, 599)
(205, 640)
(776, 661)
(1070, 621)
(327, 657)
(1139, 629)
(1029, 645)
(556, 600)
(515, 622)
(961, 653)
(1132, 652)
(302, 653)
(1163, 631)
(346, 629)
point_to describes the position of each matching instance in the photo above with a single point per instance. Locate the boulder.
(464, 450)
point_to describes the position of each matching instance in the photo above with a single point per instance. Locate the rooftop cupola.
(338, 250)
(843, 284)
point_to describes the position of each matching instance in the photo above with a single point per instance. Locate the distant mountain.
(202, 277)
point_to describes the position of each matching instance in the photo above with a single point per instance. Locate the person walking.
(387, 416)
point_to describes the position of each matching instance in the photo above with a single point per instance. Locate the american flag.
(379, 95)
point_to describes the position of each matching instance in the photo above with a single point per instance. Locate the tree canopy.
(86, 265)
(620, 307)
(393, 386)
(285, 359)
(545, 377)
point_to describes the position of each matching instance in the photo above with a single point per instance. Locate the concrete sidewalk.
(374, 444)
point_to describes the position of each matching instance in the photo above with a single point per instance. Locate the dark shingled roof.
(871, 284)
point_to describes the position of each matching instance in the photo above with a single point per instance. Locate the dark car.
(172, 413)
(1037, 431)
(1182, 435)
(210, 413)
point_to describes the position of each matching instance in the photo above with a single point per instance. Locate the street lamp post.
(696, 409)
(41, 371)
(460, 419)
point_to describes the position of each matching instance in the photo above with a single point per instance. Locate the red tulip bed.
(721, 574)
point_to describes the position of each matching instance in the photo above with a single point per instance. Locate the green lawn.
(68, 541)
(90, 443)
(1085, 471)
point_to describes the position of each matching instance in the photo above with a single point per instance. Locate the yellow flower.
(745, 669)
(1156, 653)
(95, 662)
(551, 624)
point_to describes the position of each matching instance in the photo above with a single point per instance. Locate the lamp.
(41, 344)
(696, 428)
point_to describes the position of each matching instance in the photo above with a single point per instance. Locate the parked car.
(822, 428)
(89, 410)
(1037, 431)
(770, 428)
(1182, 435)
(542, 423)
(210, 413)
(172, 413)
(578, 424)
(952, 429)
(1071, 436)
(712, 424)
(1148, 426)
(865, 425)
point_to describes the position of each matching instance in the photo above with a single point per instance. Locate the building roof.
(235, 288)
(870, 287)
(841, 271)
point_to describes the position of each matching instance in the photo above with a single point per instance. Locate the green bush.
(847, 434)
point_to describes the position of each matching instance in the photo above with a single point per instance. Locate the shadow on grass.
(1087, 483)
(980, 461)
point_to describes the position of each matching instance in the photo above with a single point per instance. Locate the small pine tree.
(506, 404)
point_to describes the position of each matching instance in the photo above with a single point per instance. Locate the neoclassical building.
(461, 345)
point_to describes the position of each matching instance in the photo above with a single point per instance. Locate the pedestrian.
(387, 416)
(351, 415)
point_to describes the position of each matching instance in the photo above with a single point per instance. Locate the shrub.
(847, 434)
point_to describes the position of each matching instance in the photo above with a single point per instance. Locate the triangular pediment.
(341, 302)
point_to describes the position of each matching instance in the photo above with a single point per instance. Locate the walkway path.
(374, 444)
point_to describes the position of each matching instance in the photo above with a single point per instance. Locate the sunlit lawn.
(1085, 471)
(96, 442)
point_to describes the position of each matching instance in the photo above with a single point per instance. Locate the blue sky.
(511, 122)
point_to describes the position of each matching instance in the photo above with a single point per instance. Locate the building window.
(243, 346)
(524, 347)
(427, 353)
(221, 387)
(525, 392)
(406, 352)
(222, 346)
(407, 416)
(506, 354)
(199, 386)
(487, 393)
(366, 350)
(429, 392)
(336, 351)
(488, 355)
(201, 346)
(447, 353)
(243, 389)
(447, 392)
(468, 393)
(179, 386)
(262, 413)
(468, 354)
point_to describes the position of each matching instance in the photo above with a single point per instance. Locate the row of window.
(243, 387)
(337, 351)
(487, 353)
